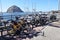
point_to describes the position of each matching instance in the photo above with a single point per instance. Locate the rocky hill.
(13, 9)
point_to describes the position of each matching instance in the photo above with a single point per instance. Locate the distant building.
(58, 11)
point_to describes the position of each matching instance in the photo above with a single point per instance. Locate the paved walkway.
(51, 33)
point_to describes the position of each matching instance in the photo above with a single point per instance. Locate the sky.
(29, 5)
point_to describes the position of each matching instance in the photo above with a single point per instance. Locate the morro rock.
(13, 9)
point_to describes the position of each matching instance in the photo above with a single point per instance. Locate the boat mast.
(33, 6)
(1, 7)
(1, 16)
(27, 6)
(58, 4)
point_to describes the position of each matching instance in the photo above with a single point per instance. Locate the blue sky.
(39, 5)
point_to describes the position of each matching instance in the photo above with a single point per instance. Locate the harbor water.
(9, 16)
